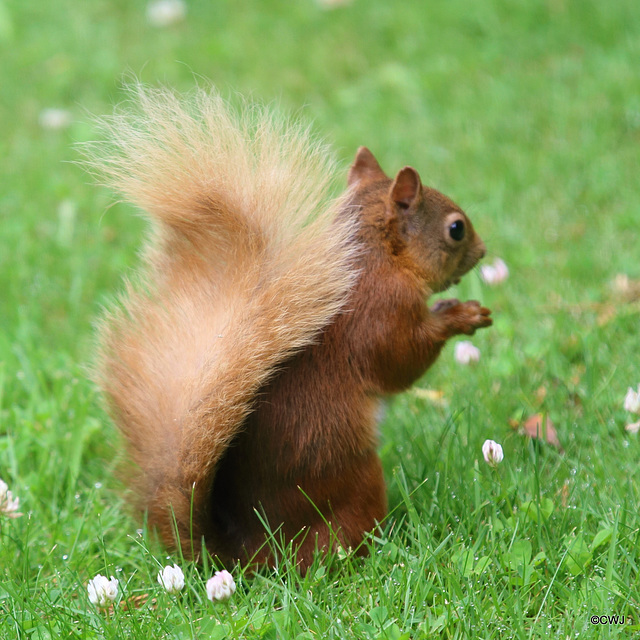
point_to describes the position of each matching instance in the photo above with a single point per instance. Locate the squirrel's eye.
(456, 230)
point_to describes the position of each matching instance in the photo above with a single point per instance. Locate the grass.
(528, 115)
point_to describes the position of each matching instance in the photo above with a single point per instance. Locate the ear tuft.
(365, 167)
(406, 188)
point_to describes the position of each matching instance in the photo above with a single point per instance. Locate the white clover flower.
(221, 587)
(172, 579)
(465, 352)
(494, 273)
(102, 592)
(632, 400)
(54, 119)
(492, 452)
(9, 505)
(634, 427)
(164, 13)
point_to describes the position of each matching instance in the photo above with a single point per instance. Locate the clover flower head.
(634, 427)
(172, 579)
(54, 119)
(632, 400)
(492, 452)
(102, 592)
(164, 13)
(465, 352)
(221, 587)
(9, 504)
(494, 273)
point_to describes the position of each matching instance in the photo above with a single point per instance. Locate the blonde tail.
(247, 260)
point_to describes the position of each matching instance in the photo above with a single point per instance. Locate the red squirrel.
(247, 366)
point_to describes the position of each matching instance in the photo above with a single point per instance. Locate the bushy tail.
(247, 260)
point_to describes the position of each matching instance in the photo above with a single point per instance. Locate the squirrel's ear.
(406, 188)
(365, 166)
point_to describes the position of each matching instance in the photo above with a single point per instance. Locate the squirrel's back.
(246, 261)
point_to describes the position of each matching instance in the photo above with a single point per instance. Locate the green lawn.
(528, 115)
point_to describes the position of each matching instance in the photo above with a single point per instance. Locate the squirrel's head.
(422, 228)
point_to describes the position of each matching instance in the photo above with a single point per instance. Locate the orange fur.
(245, 370)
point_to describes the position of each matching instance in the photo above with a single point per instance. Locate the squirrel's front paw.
(466, 317)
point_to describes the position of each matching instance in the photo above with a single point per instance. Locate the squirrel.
(246, 365)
